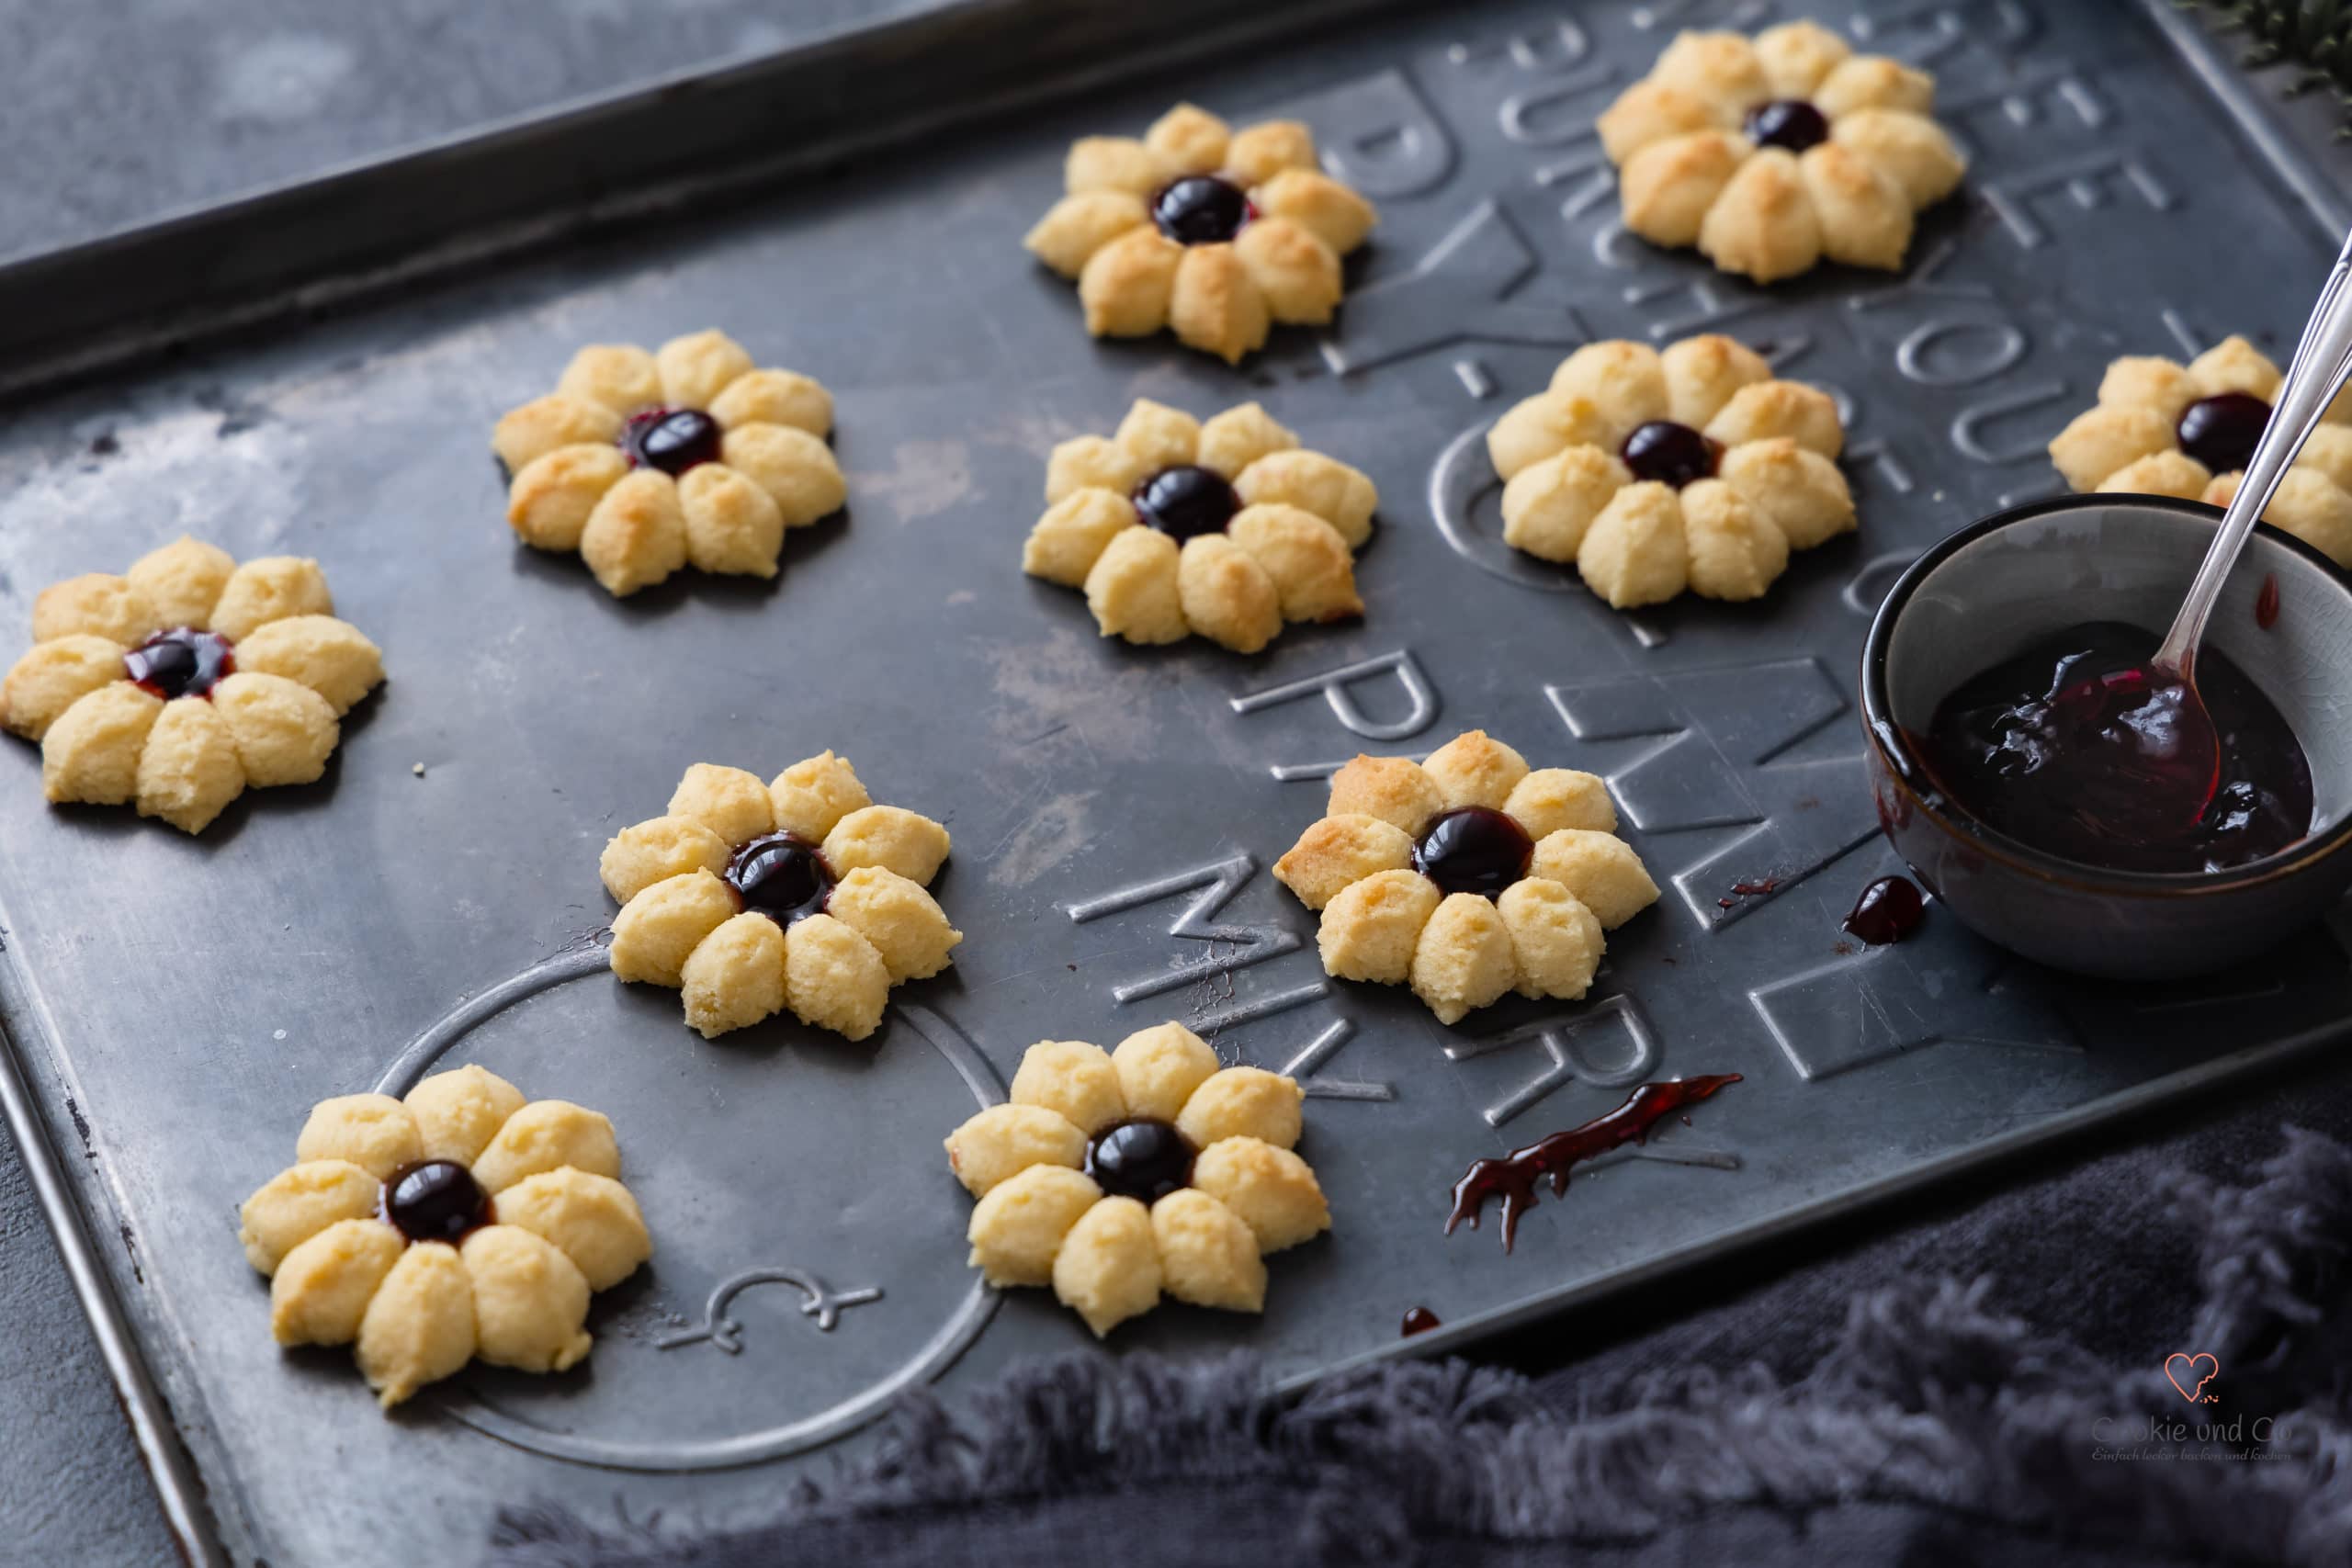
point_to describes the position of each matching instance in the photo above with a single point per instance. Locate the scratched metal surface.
(1114, 808)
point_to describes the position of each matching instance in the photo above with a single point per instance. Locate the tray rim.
(77, 1207)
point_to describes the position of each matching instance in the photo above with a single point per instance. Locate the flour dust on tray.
(2186, 431)
(459, 1222)
(1120, 1177)
(1224, 527)
(689, 456)
(180, 685)
(1655, 472)
(1213, 232)
(801, 893)
(1774, 153)
(1468, 875)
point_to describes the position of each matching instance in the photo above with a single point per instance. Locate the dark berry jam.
(438, 1199)
(1184, 501)
(2221, 432)
(1889, 910)
(180, 663)
(2265, 603)
(783, 876)
(1790, 123)
(1669, 454)
(2077, 748)
(1419, 1320)
(672, 440)
(1143, 1159)
(1513, 1178)
(1472, 850)
(1202, 210)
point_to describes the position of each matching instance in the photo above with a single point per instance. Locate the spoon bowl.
(1995, 588)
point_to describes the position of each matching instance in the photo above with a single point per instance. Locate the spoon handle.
(2323, 360)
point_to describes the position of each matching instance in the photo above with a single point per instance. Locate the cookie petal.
(1077, 226)
(1463, 959)
(1159, 1069)
(735, 976)
(1369, 929)
(1343, 497)
(1017, 1228)
(636, 536)
(655, 851)
(90, 752)
(812, 795)
(617, 376)
(284, 731)
(798, 470)
(547, 1134)
(419, 1325)
(890, 837)
(96, 604)
(460, 1111)
(1216, 306)
(554, 494)
(591, 1220)
(1271, 1191)
(374, 1131)
(1393, 789)
(54, 675)
(731, 802)
(1555, 941)
(1207, 1256)
(1226, 595)
(775, 397)
(1074, 1079)
(1107, 1269)
(1475, 768)
(1002, 1141)
(1339, 850)
(1311, 569)
(320, 1294)
(530, 1301)
(661, 925)
(525, 434)
(1235, 1102)
(1074, 532)
(188, 771)
(1600, 870)
(332, 657)
(905, 924)
(298, 1202)
(182, 582)
(834, 977)
(733, 524)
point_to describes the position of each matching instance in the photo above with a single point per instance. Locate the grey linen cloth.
(1985, 1384)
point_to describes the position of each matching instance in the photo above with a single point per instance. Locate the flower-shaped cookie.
(458, 1223)
(1118, 1178)
(645, 463)
(753, 897)
(1467, 875)
(1769, 154)
(2162, 428)
(1214, 232)
(1658, 471)
(1227, 528)
(183, 683)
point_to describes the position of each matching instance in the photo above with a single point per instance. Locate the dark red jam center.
(2221, 432)
(1513, 1178)
(180, 662)
(1669, 454)
(783, 876)
(1419, 1320)
(1186, 500)
(1889, 910)
(438, 1199)
(1790, 123)
(1202, 210)
(1473, 849)
(2077, 748)
(1144, 1159)
(672, 440)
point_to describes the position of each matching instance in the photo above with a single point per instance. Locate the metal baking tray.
(316, 370)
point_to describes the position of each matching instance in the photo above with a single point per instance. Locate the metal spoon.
(2321, 363)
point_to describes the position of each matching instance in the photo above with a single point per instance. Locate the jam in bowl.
(2021, 762)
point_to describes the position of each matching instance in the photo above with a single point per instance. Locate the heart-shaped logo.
(2189, 1374)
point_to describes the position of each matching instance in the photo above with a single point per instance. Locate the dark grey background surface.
(116, 112)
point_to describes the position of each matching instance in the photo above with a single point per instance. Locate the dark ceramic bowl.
(1987, 592)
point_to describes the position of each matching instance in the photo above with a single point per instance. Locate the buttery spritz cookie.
(1214, 232)
(2163, 428)
(1120, 1177)
(459, 1222)
(185, 681)
(1224, 526)
(689, 456)
(753, 897)
(1659, 471)
(1467, 875)
(1771, 153)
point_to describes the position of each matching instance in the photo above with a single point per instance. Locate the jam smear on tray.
(1145, 1159)
(1513, 1177)
(181, 662)
(2220, 430)
(1419, 1320)
(672, 440)
(1669, 454)
(2078, 747)
(1202, 210)
(437, 1200)
(1473, 849)
(1792, 124)
(2266, 603)
(1185, 501)
(1889, 910)
(783, 876)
